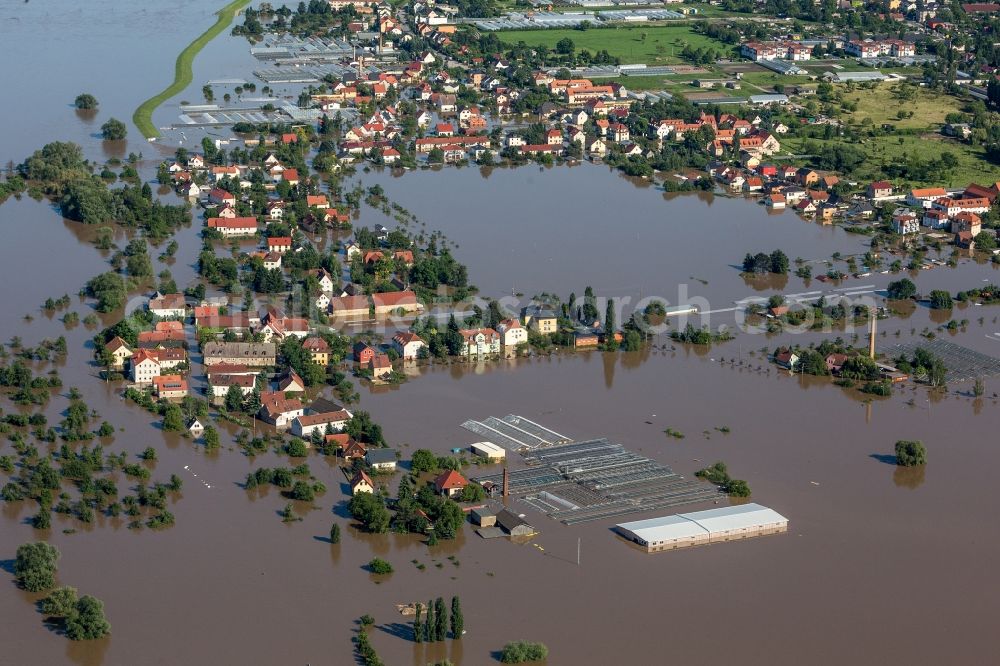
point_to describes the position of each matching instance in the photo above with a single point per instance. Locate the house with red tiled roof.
(450, 483)
(362, 483)
(408, 344)
(393, 301)
(278, 410)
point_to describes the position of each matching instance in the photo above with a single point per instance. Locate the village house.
(935, 219)
(540, 319)
(144, 367)
(170, 387)
(350, 307)
(351, 450)
(380, 366)
(511, 333)
(119, 351)
(254, 354)
(924, 197)
(967, 222)
(395, 301)
(408, 344)
(450, 483)
(279, 244)
(381, 460)
(291, 382)
(278, 410)
(879, 189)
(219, 384)
(362, 483)
(305, 426)
(238, 226)
(363, 353)
(905, 221)
(479, 341)
(319, 350)
(168, 305)
(786, 359)
(221, 197)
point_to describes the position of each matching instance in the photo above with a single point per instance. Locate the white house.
(512, 333)
(408, 344)
(144, 367)
(304, 426)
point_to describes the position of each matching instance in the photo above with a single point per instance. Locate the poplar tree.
(440, 620)
(418, 630)
(429, 623)
(457, 621)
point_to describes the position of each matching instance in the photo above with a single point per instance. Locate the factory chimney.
(506, 482)
(871, 333)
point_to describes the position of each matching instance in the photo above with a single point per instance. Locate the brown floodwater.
(880, 564)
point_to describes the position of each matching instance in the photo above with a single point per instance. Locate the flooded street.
(879, 565)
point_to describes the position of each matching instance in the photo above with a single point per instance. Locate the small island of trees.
(910, 453)
(114, 130)
(85, 102)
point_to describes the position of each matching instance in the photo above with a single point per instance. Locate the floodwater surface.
(880, 565)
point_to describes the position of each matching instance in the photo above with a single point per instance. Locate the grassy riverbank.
(143, 116)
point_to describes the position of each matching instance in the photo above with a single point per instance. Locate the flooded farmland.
(880, 564)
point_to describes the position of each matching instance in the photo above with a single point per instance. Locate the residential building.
(512, 333)
(362, 483)
(168, 305)
(278, 410)
(253, 354)
(408, 344)
(540, 319)
(382, 460)
(319, 350)
(450, 483)
(380, 365)
(479, 341)
(119, 351)
(170, 387)
(144, 367)
(304, 426)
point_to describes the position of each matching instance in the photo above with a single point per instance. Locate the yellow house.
(541, 320)
(119, 352)
(362, 483)
(319, 350)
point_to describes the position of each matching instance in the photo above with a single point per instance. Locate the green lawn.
(662, 43)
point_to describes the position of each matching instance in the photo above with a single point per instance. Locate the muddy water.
(873, 552)
(869, 551)
(531, 229)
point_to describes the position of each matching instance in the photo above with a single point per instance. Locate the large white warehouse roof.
(699, 523)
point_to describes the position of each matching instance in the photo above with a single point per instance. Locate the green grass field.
(143, 116)
(972, 164)
(881, 106)
(662, 43)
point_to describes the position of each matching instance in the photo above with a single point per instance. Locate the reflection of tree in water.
(909, 477)
(766, 282)
(609, 361)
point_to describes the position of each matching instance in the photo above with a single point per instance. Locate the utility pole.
(578, 551)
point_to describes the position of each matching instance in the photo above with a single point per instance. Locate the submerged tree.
(114, 130)
(910, 453)
(85, 101)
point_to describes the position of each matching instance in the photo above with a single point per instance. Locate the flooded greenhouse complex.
(577, 482)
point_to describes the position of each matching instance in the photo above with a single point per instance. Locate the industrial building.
(703, 527)
(488, 450)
